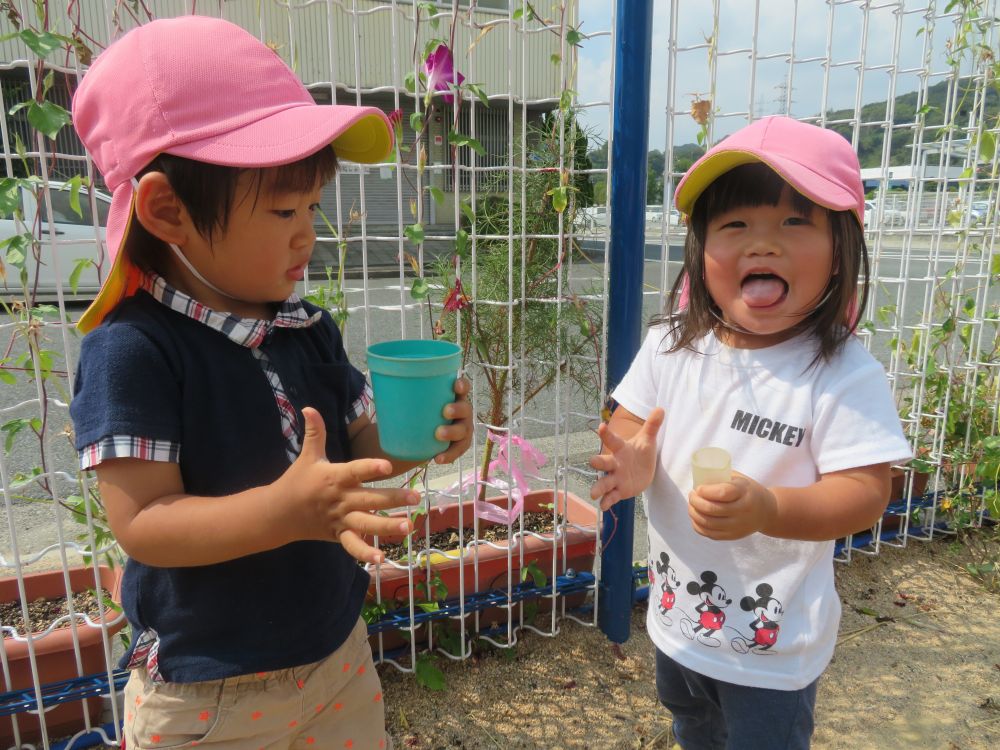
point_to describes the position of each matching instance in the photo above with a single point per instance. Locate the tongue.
(762, 291)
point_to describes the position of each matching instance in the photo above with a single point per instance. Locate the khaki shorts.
(334, 703)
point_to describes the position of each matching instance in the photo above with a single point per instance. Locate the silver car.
(73, 242)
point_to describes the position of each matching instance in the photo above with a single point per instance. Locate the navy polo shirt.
(153, 372)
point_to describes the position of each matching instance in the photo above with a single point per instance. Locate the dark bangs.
(208, 191)
(301, 176)
(747, 185)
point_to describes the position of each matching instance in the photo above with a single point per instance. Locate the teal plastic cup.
(413, 380)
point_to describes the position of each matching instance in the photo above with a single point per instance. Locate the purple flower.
(441, 74)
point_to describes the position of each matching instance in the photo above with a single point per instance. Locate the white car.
(979, 212)
(76, 242)
(891, 217)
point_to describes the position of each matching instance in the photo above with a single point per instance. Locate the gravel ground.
(928, 677)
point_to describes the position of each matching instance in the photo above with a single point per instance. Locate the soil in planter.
(540, 523)
(43, 611)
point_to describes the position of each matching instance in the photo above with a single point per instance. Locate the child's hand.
(731, 510)
(323, 500)
(459, 433)
(631, 463)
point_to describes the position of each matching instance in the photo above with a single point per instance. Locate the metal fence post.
(630, 142)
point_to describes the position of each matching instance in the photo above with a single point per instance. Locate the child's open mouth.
(763, 289)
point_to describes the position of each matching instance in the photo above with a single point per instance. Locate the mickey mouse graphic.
(668, 583)
(767, 613)
(711, 618)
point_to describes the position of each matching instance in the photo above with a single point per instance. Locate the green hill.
(904, 114)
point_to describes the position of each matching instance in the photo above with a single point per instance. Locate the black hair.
(208, 192)
(752, 185)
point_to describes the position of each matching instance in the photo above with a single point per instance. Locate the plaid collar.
(247, 332)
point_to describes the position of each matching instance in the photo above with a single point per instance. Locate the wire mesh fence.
(509, 102)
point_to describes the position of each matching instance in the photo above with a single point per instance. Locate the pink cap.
(204, 89)
(819, 163)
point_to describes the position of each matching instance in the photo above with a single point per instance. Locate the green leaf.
(470, 214)
(414, 233)
(420, 288)
(566, 99)
(574, 37)
(560, 198)
(462, 244)
(17, 248)
(78, 269)
(995, 265)
(459, 139)
(41, 43)
(538, 577)
(75, 183)
(416, 121)
(437, 194)
(410, 82)
(7, 377)
(427, 672)
(987, 146)
(13, 427)
(477, 89)
(556, 58)
(9, 196)
(47, 117)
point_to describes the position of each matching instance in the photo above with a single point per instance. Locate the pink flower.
(441, 73)
(456, 298)
(396, 117)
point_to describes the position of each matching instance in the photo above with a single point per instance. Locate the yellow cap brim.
(697, 180)
(122, 281)
(367, 141)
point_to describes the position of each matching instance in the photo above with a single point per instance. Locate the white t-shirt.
(758, 611)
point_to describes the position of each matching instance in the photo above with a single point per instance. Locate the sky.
(779, 22)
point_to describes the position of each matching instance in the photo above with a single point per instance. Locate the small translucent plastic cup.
(711, 466)
(413, 380)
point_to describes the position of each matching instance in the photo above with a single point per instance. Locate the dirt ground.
(926, 677)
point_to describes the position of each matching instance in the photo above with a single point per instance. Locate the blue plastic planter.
(413, 380)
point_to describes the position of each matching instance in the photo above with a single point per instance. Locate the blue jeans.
(711, 714)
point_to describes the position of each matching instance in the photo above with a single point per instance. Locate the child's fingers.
(357, 548)
(599, 488)
(604, 462)
(651, 427)
(610, 440)
(370, 525)
(368, 499)
(362, 470)
(462, 387)
(707, 507)
(610, 499)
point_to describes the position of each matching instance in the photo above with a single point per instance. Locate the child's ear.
(159, 210)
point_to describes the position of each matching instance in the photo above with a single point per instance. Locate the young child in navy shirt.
(228, 430)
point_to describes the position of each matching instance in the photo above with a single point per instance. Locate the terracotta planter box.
(580, 551)
(899, 485)
(54, 655)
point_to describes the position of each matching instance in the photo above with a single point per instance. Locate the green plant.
(954, 404)
(510, 308)
(29, 356)
(954, 401)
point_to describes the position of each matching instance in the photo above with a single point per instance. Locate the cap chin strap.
(194, 271)
(740, 329)
(185, 262)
